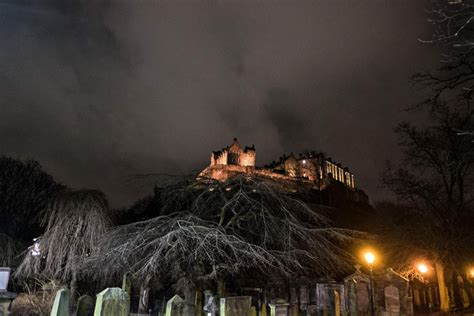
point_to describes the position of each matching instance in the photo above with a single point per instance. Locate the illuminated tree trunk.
(443, 290)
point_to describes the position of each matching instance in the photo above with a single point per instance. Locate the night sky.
(101, 90)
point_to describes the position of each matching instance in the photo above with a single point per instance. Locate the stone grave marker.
(279, 307)
(175, 306)
(85, 306)
(5, 297)
(112, 302)
(61, 303)
(362, 297)
(392, 299)
(304, 295)
(236, 306)
(4, 277)
(210, 305)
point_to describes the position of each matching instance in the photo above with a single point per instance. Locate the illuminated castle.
(311, 168)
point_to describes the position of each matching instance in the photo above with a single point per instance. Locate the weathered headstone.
(61, 303)
(253, 311)
(352, 299)
(392, 299)
(279, 307)
(263, 310)
(236, 306)
(293, 295)
(175, 306)
(4, 277)
(304, 295)
(210, 305)
(363, 298)
(85, 306)
(112, 302)
(6, 297)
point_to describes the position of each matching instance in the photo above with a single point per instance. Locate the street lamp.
(471, 273)
(370, 259)
(423, 269)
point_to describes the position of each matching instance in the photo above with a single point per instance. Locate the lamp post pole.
(423, 269)
(370, 258)
(371, 280)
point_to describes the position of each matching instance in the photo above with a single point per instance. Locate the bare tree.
(453, 33)
(434, 182)
(75, 221)
(208, 229)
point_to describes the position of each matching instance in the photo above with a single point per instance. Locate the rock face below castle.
(311, 169)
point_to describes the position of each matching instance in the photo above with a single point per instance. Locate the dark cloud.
(98, 90)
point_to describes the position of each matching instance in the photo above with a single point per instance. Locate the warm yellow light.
(471, 272)
(369, 257)
(422, 268)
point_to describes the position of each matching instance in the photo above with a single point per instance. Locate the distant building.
(309, 167)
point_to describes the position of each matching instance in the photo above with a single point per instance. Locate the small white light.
(304, 161)
(36, 250)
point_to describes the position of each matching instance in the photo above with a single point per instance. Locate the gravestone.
(175, 306)
(236, 306)
(392, 299)
(293, 295)
(4, 277)
(362, 297)
(210, 305)
(112, 302)
(279, 307)
(61, 303)
(304, 295)
(5, 297)
(85, 306)
(253, 311)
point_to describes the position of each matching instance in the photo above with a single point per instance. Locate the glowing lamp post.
(471, 273)
(423, 269)
(370, 259)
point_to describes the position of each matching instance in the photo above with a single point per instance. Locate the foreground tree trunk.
(443, 290)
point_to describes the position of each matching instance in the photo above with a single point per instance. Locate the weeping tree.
(207, 230)
(74, 222)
